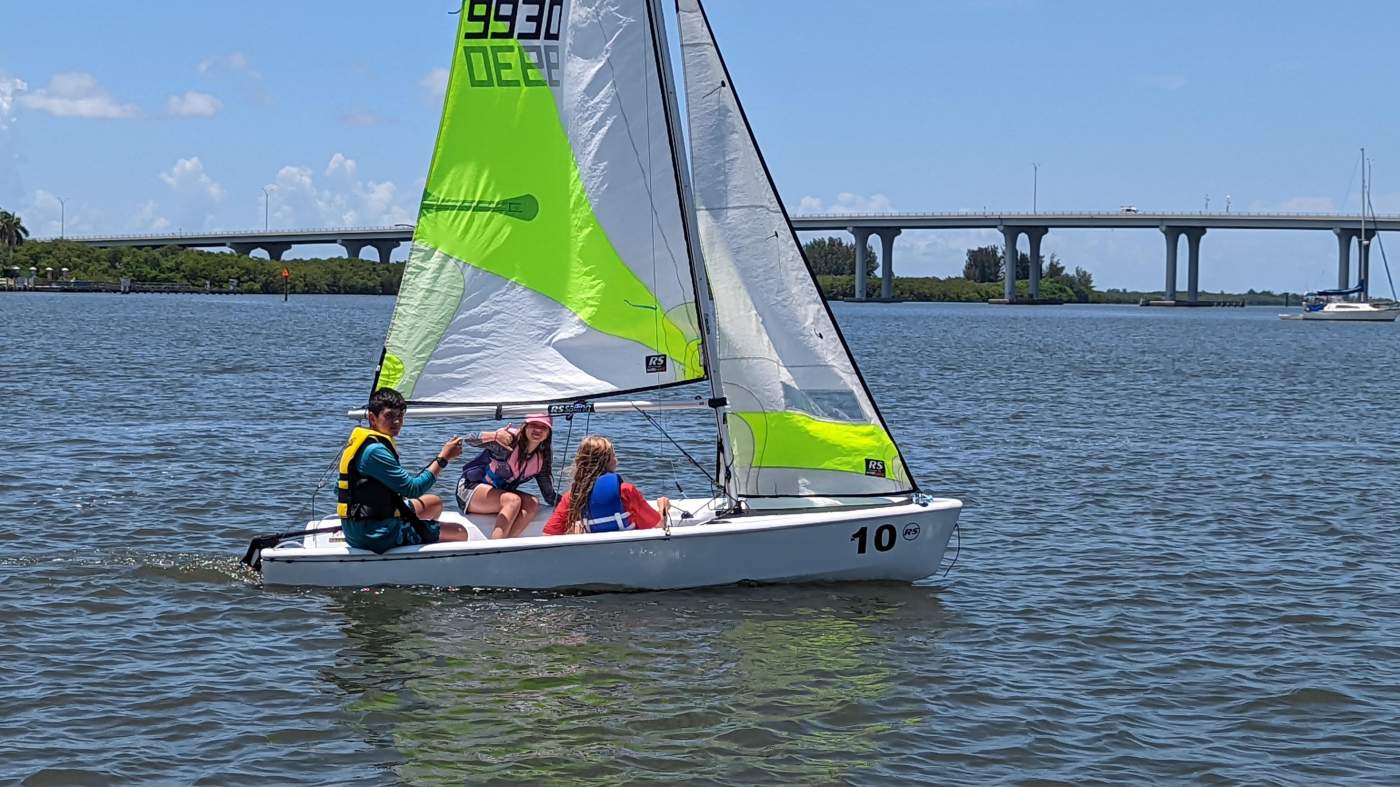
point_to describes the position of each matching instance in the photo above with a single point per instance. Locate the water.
(1178, 564)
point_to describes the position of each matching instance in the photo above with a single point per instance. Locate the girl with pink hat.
(511, 456)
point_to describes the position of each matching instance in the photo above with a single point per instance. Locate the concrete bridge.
(888, 226)
(274, 243)
(1035, 226)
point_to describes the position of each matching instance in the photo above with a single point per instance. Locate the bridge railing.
(328, 231)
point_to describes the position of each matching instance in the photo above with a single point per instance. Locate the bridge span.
(888, 226)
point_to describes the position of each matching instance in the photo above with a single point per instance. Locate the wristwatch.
(441, 460)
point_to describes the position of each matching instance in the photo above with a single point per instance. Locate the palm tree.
(12, 232)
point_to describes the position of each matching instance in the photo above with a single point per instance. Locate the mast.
(1362, 257)
(705, 308)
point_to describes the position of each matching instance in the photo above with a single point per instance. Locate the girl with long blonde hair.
(598, 500)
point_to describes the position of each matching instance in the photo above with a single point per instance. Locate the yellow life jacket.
(359, 496)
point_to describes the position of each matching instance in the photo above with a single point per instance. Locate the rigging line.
(958, 531)
(678, 446)
(637, 154)
(1347, 193)
(764, 208)
(321, 484)
(568, 441)
(1381, 245)
(671, 463)
(656, 317)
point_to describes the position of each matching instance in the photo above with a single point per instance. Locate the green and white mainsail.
(550, 259)
(800, 419)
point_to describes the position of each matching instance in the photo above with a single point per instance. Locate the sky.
(177, 116)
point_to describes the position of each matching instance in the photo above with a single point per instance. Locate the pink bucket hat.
(548, 421)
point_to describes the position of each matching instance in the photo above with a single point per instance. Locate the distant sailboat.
(1351, 304)
(561, 255)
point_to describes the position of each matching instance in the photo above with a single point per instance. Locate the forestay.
(550, 260)
(800, 419)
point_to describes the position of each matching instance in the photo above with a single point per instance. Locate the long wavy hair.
(594, 458)
(545, 451)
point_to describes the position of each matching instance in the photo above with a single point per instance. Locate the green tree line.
(833, 261)
(193, 268)
(988, 264)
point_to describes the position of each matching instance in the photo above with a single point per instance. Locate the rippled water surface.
(1179, 561)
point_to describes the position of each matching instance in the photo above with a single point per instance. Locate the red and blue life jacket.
(605, 511)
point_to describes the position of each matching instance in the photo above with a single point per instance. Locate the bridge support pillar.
(862, 236)
(1173, 236)
(385, 248)
(1193, 262)
(1363, 269)
(1034, 234)
(276, 250)
(1009, 236)
(243, 249)
(353, 248)
(887, 263)
(1344, 237)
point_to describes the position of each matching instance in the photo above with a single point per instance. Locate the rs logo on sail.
(532, 60)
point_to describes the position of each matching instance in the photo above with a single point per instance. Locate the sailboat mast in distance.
(1363, 249)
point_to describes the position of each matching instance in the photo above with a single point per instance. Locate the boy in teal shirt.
(382, 505)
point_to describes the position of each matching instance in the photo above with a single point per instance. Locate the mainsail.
(550, 259)
(800, 419)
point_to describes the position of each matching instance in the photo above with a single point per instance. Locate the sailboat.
(568, 254)
(1351, 304)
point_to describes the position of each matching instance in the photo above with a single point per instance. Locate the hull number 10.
(884, 539)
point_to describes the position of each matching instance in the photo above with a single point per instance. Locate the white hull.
(1354, 312)
(822, 541)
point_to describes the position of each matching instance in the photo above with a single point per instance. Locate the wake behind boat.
(567, 250)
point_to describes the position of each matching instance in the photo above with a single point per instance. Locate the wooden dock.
(1190, 304)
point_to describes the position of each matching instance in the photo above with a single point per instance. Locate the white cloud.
(194, 104)
(188, 177)
(232, 61)
(360, 118)
(10, 90)
(149, 218)
(299, 201)
(45, 216)
(434, 83)
(847, 202)
(339, 163)
(76, 94)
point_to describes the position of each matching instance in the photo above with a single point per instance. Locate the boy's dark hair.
(386, 399)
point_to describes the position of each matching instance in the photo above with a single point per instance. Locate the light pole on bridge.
(267, 204)
(1035, 185)
(62, 216)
